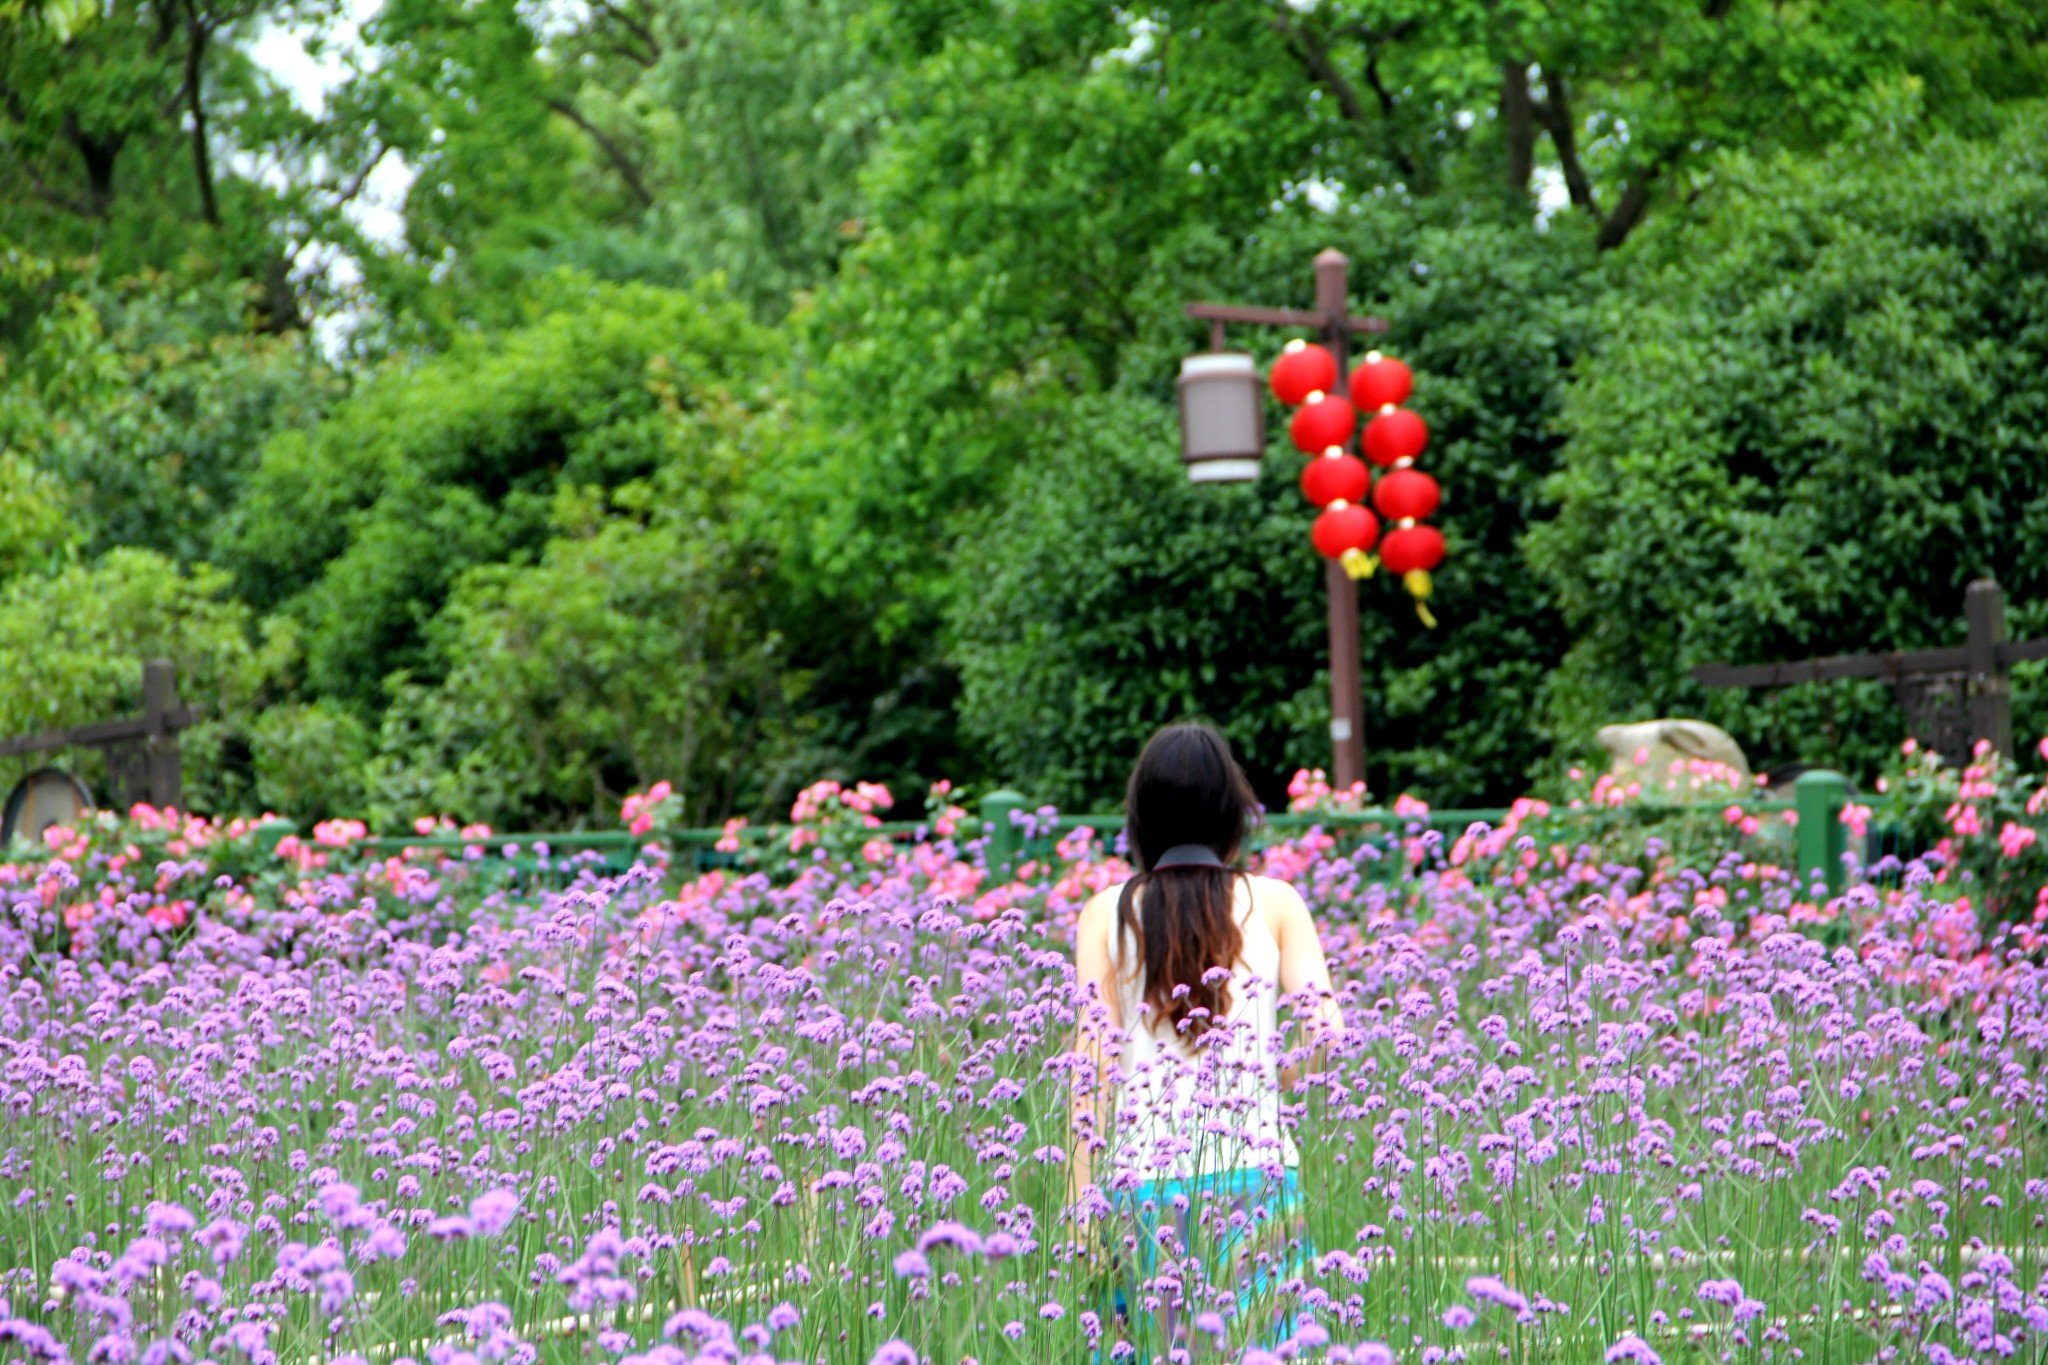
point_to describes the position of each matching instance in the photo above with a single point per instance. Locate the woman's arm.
(1091, 1102)
(1304, 968)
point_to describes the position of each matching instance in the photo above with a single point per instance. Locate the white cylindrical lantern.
(1222, 417)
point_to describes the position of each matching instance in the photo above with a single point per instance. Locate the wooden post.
(1347, 701)
(1990, 677)
(159, 704)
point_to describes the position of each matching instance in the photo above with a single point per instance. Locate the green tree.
(147, 402)
(630, 652)
(360, 528)
(1802, 430)
(72, 643)
(134, 131)
(1103, 595)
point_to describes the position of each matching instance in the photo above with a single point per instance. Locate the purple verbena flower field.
(322, 1105)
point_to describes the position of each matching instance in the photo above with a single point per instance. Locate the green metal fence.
(1015, 834)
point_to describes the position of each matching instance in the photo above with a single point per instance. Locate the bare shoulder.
(1097, 916)
(1280, 903)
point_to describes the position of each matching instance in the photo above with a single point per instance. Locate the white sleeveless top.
(1186, 1109)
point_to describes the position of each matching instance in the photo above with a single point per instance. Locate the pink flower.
(2015, 839)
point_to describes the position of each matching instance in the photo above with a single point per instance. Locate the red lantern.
(1412, 549)
(1395, 436)
(1380, 382)
(1406, 495)
(1334, 477)
(1302, 369)
(1344, 528)
(1322, 423)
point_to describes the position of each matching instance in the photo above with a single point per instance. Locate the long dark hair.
(1186, 789)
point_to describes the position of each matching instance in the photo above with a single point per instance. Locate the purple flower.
(338, 1201)
(1458, 1317)
(893, 1352)
(953, 1235)
(1492, 1289)
(697, 1323)
(1727, 1293)
(911, 1265)
(168, 1220)
(492, 1212)
(385, 1243)
(223, 1237)
(451, 1228)
(1371, 1353)
(1634, 1349)
(782, 1317)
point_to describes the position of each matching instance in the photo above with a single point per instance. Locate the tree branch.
(624, 165)
(1556, 113)
(1635, 199)
(202, 161)
(1315, 58)
(635, 27)
(355, 186)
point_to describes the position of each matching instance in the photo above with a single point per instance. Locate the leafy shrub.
(1804, 427)
(1980, 822)
(361, 528)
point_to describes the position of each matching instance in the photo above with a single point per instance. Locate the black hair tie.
(1188, 855)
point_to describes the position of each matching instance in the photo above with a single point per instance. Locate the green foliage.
(1803, 433)
(120, 122)
(626, 654)
(1109, 596)
(72, 643)
(34, 518)
(565, 538)
(757, 128)
(153, 409)
(308, 761)
(361, 529)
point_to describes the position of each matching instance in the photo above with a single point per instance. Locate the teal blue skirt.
(1233, 1243)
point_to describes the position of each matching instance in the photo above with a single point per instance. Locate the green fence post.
(1005, 840)
(1818, 797)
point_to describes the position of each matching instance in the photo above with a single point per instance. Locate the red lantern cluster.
(1394, 437)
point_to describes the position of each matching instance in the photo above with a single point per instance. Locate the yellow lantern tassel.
(1418, 585)
(1358, 564)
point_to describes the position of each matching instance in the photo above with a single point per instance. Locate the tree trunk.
(1518, 123)
(1556, 111)
(99, 155)
(202, 160)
